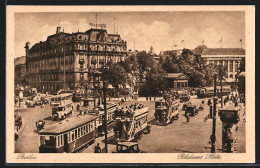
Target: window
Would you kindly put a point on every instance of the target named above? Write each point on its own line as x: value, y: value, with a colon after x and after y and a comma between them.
x: 236, y: 66
x: 72, y: 135
x: 48, y: 140
x: 87, y: 127
x: 82, y: 133
x: 225, y: 64
x: 81, y: 76
x: 76, y: 133
x: 231, y: 76
x: 231, y: 66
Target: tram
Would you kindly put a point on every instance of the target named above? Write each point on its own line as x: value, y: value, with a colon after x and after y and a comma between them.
x: 69, y: 135
x: 61, y: 105
x: 100, y: 113
x: 209, y: 91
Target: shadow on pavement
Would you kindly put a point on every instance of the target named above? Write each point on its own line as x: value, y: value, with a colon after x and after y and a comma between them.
x: 153, y: 122
x: 110, y: 140
x: 184, y: 151
x: 48, y: 118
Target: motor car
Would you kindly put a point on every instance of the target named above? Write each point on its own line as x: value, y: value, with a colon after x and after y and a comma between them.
x: 191, y: 110
x: 185, y: 105
x: 128, y: 147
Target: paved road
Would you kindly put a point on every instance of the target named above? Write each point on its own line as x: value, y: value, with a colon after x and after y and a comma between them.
x: 174, y: 138
x: 180, y: 136
x: 28, y: 141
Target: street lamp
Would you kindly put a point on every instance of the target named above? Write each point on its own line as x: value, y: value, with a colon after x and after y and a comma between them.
x: 213, y: 136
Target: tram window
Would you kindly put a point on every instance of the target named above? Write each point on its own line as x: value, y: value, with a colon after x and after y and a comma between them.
x: 82, y: 133
x: 87, y: 128
x: 58, y: 138
x: 72, y: 135
x: 48, y: 140
x: 76, y: 133
x: 68, y: 136
x: 61, y: 140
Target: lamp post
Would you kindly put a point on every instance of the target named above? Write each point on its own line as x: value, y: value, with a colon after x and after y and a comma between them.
x: 104, y: 89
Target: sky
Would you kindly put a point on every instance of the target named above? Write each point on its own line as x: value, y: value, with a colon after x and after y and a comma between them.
x: 141, y: 30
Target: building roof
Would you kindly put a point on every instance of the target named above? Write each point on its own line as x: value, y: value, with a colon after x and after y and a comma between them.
x: 174, y: 75
x: 67, y: 124
x: 223, y: 51
x: 92, y: 35
x: 20, y: 60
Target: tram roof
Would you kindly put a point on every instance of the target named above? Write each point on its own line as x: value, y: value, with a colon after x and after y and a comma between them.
x: 67, y: 124
x: 61, y: 95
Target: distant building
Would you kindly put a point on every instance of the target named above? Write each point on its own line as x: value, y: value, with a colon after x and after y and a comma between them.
x: 82, y: 54
x: 228, y: 57
x: 20, y: 69
x: 176, y: 80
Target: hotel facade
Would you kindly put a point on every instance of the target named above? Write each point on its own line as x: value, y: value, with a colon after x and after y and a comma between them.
x: 66, y: 61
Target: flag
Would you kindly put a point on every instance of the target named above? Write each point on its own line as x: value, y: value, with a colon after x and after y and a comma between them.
x: 182, y: 40
x: 240, y: 39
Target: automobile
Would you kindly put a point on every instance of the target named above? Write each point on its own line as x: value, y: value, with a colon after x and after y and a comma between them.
x: 128, y: 147
x: 38, y: 103
x: 30, y: 103
x: 40, y: 124
x: 185, y: 105
x: 44, y: 100
x: 191, y: 110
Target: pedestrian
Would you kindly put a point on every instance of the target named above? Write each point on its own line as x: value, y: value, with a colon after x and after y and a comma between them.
x: 97, y: 149
x: 146, y: 98
x: 187, y: 117
x: 236, y: 104
x: 150, y: 98
x: 209, y: 102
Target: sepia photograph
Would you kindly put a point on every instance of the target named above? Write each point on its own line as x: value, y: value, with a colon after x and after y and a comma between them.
x: 173, y: 84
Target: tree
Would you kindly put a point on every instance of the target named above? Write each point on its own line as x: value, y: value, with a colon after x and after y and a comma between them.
x: 114, y: 74
x: 242, y: 67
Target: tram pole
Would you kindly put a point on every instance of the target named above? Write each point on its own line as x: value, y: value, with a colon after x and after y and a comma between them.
x: 105, y: 119
x: 213, y: 136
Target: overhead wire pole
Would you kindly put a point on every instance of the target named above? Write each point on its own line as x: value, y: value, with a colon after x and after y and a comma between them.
x: 213, y: 136
x: 105, y: 110
x: 64, y: 73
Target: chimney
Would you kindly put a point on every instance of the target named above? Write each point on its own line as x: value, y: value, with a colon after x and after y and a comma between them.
x: 58, y: 30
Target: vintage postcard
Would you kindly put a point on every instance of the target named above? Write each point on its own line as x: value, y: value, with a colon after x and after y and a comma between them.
x: 130, y: 84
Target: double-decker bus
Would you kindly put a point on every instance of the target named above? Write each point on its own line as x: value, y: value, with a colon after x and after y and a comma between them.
x: 131, y: 122
x: 166, y: 111
x: 100, y: 113
x: 61, y: 105
x: 69, y: 135
x: 209, y: 91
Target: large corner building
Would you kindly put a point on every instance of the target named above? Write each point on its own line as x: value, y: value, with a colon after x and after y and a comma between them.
x: 65, y: 61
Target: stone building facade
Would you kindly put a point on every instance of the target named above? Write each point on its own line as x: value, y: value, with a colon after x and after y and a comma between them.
x: 77, y: 56
x: 19, y: 70
x: 228, y: 57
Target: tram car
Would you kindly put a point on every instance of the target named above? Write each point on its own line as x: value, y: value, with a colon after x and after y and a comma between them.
x: 131, y: 123
x: 61, y: 105
x: 166, y: 111
x: 209, y: 91
x: 100, y: 113
x: 70, y: 135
